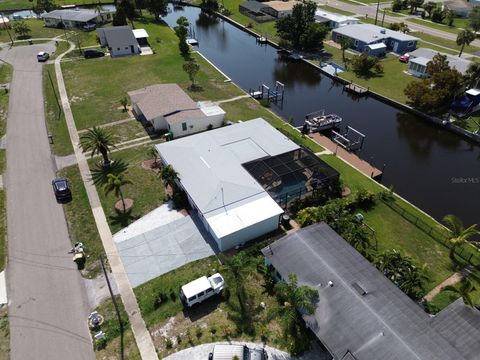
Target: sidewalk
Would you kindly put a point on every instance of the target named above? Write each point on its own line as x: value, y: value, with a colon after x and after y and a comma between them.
x: 142, y: 336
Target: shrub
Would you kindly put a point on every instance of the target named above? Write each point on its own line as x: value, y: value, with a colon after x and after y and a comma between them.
x: 100, y: 344
x: 213, y: 330
x: 264, y: 103
x: 198, y: 332
x: 226, y: 294
x: 173, y: 296
x: 366, y: 66
x: 168, y: 343
x: 179, y: 339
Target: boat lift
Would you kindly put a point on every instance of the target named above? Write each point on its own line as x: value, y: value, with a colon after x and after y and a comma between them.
x: 351, y: 140
x: 274, y: 95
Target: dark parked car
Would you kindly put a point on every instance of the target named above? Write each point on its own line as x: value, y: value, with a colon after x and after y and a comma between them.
x: 61, y: 189
x: 91, y: 53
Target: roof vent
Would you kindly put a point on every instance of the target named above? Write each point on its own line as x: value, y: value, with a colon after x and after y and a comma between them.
x: 330, y: 283
x: 383, y: 31
x: 361, y: 291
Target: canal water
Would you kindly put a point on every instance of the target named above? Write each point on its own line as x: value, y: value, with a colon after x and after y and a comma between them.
x: 432, y: 168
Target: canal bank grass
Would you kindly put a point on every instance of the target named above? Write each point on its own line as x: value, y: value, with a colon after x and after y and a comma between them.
x: 95, y: 86
x: 81, y: 224
x: 146, y: 190
x: 55, y: 119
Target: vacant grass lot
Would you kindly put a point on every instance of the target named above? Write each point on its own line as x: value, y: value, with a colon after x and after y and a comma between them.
x: 146, y: 190
x: 95, y: 86
x: 81, y: 224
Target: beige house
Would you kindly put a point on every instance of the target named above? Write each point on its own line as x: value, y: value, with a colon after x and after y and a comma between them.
x: 279, y: 9
x: 168, y: 108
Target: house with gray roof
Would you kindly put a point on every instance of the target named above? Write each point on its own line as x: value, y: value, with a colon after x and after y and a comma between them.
x: 119, y: 40
x: 362, y: 315
x: 167, y: 107
x: 84, y: 19
x: 375, y: 40
x: 418, y: 60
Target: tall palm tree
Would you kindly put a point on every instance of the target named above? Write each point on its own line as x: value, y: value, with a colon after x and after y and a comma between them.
x: 472, y: 75
x: 458, y: 234
x: 464, y: 37
x: 98, y: 141
x: 169, y: 176
x: 465, y: 291
x: 345, y: 43
x: 295, y: 299
x: 115, y: 183
x: 238, y: 267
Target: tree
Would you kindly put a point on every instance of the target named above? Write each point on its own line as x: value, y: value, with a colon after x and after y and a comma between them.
x: 464, y: 291
x: 152, y: 152
x: 401, y: 26
x: 429, y: 6
x: 397, y: 5
x: 312, y: 38
x: 115, y: 184
x: 434, y: 94
x: 182, y: 31
x: 124, y: 103
x: 98, y: 141
x: 472, y: 75
x: 169, y: 176
x: 363, y: 65
x: 458, y: 235
x: 44, y: 6
x: 464, y: 37
x: 292, y: 28
x: 191, y: 68
x: 128, y: 7
x: 210, y: 5
x: 474, y: 19
x: 157, y: 8
x: 449, y: 16
x: 293, y: 298
x: 22, y: 29
x: 414, y: 4
x: 345, y: 43
x: 437, y: 15
x: 119, y: 18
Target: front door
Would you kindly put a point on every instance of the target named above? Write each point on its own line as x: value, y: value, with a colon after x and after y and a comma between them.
x: 132, y: 49
x: 395, y: 47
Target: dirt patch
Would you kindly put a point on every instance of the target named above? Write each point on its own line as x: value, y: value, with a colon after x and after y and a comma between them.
x: 119, y: 205
x: 153, y: 165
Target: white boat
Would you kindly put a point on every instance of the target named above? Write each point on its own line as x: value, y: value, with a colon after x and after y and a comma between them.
x: 322, y: 122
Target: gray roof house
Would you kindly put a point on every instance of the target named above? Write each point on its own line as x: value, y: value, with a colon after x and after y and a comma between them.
x: 417, y: 63
x: 85, y: 19
x: 167, y: 107
x: 119, y: 40
x: 361, y: 315
x: 375, y: 40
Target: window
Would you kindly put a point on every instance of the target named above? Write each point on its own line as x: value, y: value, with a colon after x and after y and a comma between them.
x: 126, y: 47
x: 192, y: 298
x: 201, y: 293
x: 410, y: 44
x: 355, y: 43
x: 184, y: 126
x: 209, y: 290
x: 118, y: 49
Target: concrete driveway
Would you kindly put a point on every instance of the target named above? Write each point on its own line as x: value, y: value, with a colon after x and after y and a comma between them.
x: 47, y: 309
x: 162, y: 241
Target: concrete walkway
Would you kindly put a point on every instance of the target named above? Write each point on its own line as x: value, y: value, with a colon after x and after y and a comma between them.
x: 231, y: 99
x: 142, y: 336
x: 452, y: 280
x: 200, y: 352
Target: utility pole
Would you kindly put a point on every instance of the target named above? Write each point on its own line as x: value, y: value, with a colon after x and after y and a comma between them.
x: 6, y: 28
x: 376, y: 13
x: 115, y: 306
x: 383, y: 18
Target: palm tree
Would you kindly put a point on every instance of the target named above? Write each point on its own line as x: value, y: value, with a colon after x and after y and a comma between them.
x: 238, y: 267
x: 152, y: 152
x: 115, y: 183
x: 458, y: 234
x: 345, y: 43
x: 472, y: 75
x: 464, y: 37
x: 124, y: 103
x: 169, y: 176
x: 295, y: 299
x: 465, y: 291
x: 98, y: 141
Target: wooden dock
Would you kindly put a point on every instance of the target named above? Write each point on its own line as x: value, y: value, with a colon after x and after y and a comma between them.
x: 356, y: 89
x: 351, y: 158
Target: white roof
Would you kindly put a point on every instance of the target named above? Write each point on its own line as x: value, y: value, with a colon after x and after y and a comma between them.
x: 338, y: 18
x: 231, y: 219
x: 140, y: 33
x: 209, y: 164
x: 473, y: 92
x: 227, y: 352
x: 419, y: 60
x: 212, y: 110
x: 377, y: 46
x: 196, y: 286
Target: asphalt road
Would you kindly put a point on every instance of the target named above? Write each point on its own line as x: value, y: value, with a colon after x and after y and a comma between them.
x: 47, y: 301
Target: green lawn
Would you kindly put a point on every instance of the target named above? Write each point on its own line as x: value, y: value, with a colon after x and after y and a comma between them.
x: 95, y: 86
x: 26, y: 4
x: 56, y: 124
x: 146, y: 190
x: 468, y: 123
x: 433, y: 25
x: 81, y: 224
x: 443, y: 42
x: 4, y: 334
x: 335, y: 10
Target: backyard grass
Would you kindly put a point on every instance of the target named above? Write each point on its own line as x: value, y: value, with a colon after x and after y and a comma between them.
x: 146, y: 190
x: 469, y: 123
x: 4, y: 334
x: 81, y: 224
x: 55, y: 119
x: 111, y: 328
x: 126, y: 131
x: 95, y: 86
x: 37, y: 31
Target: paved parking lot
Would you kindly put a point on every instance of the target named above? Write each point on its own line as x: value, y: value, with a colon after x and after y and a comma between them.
x: 160, y: 242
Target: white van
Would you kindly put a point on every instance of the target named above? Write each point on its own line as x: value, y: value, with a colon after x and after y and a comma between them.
x: 201, y: 289
x: 242, y: 352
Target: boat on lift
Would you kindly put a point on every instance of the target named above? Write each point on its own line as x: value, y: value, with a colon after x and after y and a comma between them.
x: 319, y: 121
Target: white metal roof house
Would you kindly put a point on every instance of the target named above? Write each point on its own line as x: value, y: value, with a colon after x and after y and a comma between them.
x: 168, y: 107
x: 361, y: 314
x: 418, y: 60
x: 363, y: 36
x: 119, y: 40
x: 232, y: 205
x: 334, y: 20
x: 85, y: 19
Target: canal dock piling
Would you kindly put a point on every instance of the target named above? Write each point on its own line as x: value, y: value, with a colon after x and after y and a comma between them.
x: 274, y: 95
x: 356, y: 89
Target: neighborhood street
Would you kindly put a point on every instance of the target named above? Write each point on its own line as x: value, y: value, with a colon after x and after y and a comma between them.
x: 47, y: 302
